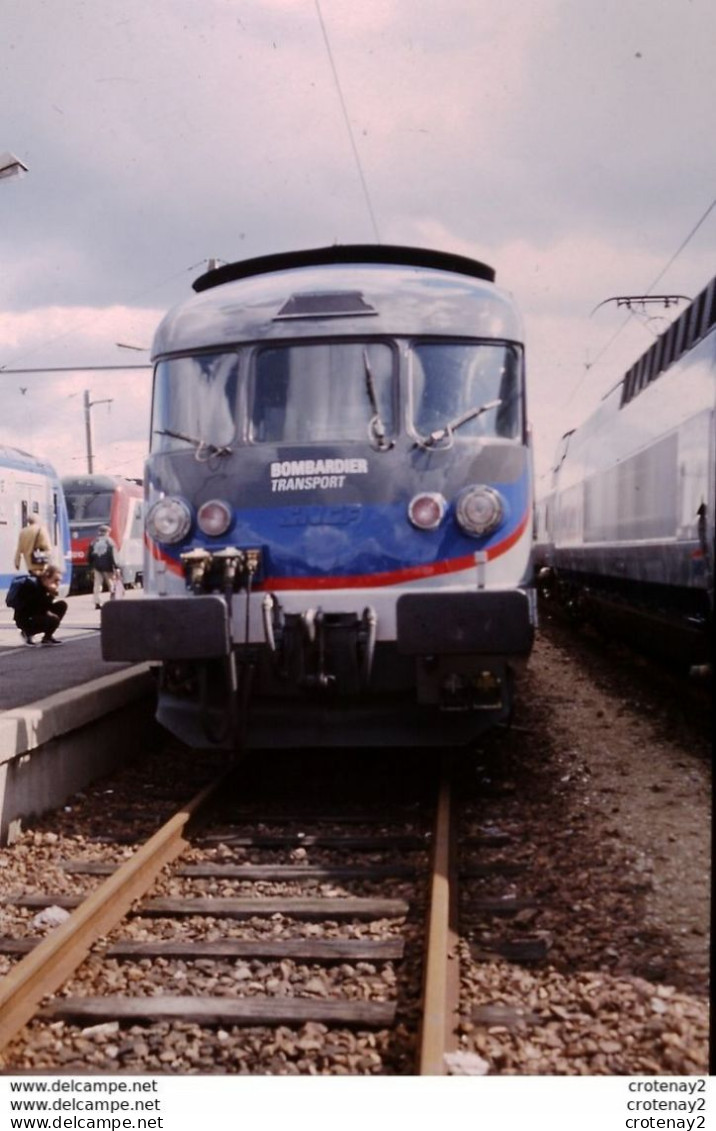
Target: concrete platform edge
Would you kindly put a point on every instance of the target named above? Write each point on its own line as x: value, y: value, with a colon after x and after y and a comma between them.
x: 27, y: 728
x: 54, y: 747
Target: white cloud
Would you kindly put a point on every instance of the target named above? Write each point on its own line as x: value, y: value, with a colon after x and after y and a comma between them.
x: 569, y: 145
x: 44, y: 412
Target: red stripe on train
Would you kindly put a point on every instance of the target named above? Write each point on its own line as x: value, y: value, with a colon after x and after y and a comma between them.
x: 370, y: 580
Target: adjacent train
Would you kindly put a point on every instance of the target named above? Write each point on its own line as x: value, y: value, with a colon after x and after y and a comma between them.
x: 111, y: 500
x: 339, y: 504
x: 625, y: 535
x: 30, y: 485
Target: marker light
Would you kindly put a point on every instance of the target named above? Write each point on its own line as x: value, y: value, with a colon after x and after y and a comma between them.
x: 426, y: 511
x: 479, y: 510
x: 214, y: 518
x: 169, y: 520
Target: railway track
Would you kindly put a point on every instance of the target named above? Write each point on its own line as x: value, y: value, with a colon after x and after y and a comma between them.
x: 288, y: 929
x: 50, y: 962
x: 365, y: 933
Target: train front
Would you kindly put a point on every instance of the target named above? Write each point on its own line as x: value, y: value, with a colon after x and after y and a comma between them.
x: 339, y: 501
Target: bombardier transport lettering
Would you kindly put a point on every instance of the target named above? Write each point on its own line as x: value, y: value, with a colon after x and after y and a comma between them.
x: 308, y: 482
x: 293, y: 467
x: 314, y: 474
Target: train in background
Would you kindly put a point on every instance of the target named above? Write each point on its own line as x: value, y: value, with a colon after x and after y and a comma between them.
x: 339, y: 504
x: 625, y: 534
x: 111, y: 500
x: 30, y: 485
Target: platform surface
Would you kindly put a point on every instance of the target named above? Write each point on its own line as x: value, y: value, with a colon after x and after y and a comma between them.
x: 31, y: 673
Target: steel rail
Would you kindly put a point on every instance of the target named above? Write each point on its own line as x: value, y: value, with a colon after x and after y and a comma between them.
x: 57, y: 957
x: 441, y: 988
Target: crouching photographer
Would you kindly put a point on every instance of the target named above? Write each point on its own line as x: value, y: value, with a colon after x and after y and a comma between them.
x: 36, y: 608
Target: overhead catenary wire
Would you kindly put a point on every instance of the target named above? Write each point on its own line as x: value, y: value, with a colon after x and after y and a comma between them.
x: 75, y: 368
x: 658, y: 279
x: 347, y: 121
x: 679, y: 249
x: 92, y: 322
x: 684, y: 243
x: 147, y: 290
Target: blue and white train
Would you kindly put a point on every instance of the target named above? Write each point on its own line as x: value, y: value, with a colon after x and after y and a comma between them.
x: 625, y: 535
x: 29, y: 485
x: 339, y: 504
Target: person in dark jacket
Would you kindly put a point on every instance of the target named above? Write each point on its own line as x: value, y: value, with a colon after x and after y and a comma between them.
x: 37, y: 609
x: 102, y: 559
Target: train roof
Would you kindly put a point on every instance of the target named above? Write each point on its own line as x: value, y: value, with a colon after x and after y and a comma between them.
x: 685, y: 353
x: 361, y: 290
x: 98, y: 481
x: 16, y: 457
x: 683, y: 334
x: 345, y: 253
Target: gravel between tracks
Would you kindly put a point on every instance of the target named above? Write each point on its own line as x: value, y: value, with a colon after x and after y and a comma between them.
x: 604, y: 781
x: 608, y: 768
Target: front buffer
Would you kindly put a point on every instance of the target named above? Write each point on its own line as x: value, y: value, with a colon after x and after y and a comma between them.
x: 322, y: 677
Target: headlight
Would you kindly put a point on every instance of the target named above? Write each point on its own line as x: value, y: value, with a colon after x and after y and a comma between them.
x: 214, y: 518
x: 426, y: 511
x: 169, y: 520
x: 479, y: 510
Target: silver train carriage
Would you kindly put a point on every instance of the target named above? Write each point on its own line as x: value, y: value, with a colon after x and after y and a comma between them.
x: 339, y: 504
x: 625, y: 535
x: 29, y: 485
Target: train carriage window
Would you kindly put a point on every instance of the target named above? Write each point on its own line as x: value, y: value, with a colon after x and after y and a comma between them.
x: 638, y: 373
x: 712, y: 311
x: 667, y: 347
x: 194, y: 401
x: 137, y: 527
x: 697, y: 316
x: 55, y: 518
x: 318, y: 392
x: 99, y: 505
x: 681, y: 325
x: 659, y: 357
x: 448, y: 379
x: 88, y: 504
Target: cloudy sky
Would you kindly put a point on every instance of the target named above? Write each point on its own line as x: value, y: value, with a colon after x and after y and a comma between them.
x: 569, y: 143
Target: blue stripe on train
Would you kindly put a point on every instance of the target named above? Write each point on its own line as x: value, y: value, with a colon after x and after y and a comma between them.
x: 348, y: 539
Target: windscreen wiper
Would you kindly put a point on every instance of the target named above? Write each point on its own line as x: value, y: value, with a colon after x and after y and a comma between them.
x: 201, y: 446
x: 376, y: 428
x: 446, y: 433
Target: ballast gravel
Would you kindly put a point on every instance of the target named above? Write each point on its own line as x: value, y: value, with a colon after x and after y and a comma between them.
x: 604, y: 786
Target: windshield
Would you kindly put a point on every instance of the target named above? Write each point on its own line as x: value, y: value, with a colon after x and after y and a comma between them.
x: 195, y: 401
x: 311, y: 393
x: 448, y: 379
x: 88, y: 506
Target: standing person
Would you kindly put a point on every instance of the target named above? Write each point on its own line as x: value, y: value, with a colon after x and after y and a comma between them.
x: 102, y: 558
x: 36, y: 607
x: 33, y: 544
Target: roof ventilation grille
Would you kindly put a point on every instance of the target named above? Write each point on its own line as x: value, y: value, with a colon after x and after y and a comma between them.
x: 325, y: 304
